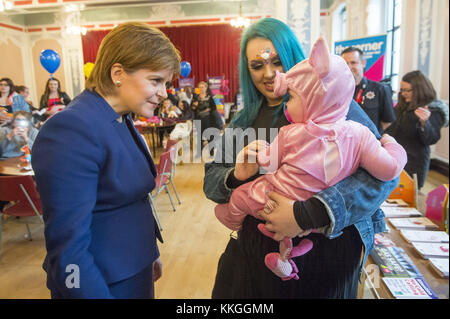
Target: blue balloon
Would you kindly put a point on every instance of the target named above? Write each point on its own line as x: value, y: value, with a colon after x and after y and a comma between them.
x: 185, y: 68
x: 50, y: 60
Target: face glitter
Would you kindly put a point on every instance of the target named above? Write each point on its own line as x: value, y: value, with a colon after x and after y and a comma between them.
x: 265, y: 55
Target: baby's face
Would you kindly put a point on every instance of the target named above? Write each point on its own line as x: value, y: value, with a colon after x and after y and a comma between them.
x: 295, y: 106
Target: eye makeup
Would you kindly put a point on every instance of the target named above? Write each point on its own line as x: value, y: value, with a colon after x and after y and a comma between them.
x: 259, y: 61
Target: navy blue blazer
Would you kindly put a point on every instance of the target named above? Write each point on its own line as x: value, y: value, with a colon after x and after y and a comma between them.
x: 93, y: 175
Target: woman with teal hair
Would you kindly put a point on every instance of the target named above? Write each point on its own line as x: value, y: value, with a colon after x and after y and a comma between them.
x: 347, y: 214
x: 289, y: 53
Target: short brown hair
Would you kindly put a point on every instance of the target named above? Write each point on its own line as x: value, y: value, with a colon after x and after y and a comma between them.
x: 25, y: 114
x: 135, y: 46
x: 354, y: 49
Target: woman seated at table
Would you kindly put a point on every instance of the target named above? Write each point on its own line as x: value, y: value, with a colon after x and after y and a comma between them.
x: 186, y: 111
x: 168, y: 110
x: 169, y: 114
x: 10, y: 101
x: 19, y: 133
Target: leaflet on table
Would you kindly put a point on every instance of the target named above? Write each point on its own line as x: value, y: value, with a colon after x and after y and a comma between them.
x: 409, y: 288
x: 394, y: 203
x: 397, y: 212
x: 413, y: 223
x: 388, y: 264
x: 424, y: 236
x: 402, y: 257
x: 381, y: 239
x: 440, y: 265
x: 394, y: 262
x: 431, y: 250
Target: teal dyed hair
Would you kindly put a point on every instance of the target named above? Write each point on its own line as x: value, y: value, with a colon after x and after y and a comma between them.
x: 289, y: 50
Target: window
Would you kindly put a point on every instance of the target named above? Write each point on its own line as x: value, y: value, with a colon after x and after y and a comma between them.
x: 343, y: 18
x: 376, y: 17
x: 339, y: 30
x: 393, y: 31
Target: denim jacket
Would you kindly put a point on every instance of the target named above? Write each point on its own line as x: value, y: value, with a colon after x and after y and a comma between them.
x: 353, y: 201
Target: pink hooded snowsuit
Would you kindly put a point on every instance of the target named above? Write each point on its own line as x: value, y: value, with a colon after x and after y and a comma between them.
x: 321, y: 147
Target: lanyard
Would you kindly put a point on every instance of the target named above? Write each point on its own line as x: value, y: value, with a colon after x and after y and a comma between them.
x: 359, y: 96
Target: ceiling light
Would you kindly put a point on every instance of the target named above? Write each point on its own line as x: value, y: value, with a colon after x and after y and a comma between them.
x: 5, y: 5
x: 240, y: 22
x: 76, y: 30
x: 73, y: 7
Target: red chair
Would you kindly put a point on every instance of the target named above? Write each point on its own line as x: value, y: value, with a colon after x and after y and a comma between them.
x: 164, y: 169
x: 24, y: 199
x: 170, y: 143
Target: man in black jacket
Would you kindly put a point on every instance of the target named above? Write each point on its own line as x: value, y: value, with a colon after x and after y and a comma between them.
x: 374, y: 98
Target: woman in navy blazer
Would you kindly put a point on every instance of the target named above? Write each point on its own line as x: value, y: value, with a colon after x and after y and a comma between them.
x: 94, y: 172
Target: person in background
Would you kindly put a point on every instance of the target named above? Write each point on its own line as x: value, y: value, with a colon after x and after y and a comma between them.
x: 185, y: 108
x: 171, y: 93
x: 53, y: 99
x: 374, y: 98
x: 19, y: 133
x: 106, y: 234
x: 187, y: 94
x: 168, y: 110
x: 10, y: 101
x: 175, y: 112
x: 25, y: 92
x: 420, y: 117
x: 167, y: 114
x: 204, y: 107
x: 347, y: 215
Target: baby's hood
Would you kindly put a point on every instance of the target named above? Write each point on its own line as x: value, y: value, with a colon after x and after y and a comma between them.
x: 324, y: 83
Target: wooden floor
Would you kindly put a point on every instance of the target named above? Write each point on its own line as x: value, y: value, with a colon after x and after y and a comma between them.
x: 193, y: 242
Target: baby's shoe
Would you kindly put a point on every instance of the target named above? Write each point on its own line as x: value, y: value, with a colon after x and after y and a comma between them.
x: 283, y: 269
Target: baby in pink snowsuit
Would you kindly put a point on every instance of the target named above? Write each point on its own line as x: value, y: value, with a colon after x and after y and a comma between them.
x: 317, y: 151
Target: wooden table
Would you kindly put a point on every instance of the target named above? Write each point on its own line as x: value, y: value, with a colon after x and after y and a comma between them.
x: 154, y: 131
x: 10, y: 166
x: 437, y: 283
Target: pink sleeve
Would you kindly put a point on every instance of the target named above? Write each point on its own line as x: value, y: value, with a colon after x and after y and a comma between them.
x: 227, y: 218
x: 384, y: 162
x: 240, y: 205
x: 270, y: 158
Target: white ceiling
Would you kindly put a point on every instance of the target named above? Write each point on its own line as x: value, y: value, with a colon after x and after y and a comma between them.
x: 100, y: 4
